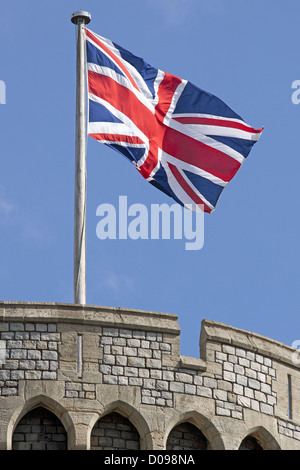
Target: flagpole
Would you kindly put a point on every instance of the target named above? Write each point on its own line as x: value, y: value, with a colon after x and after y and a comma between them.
x: 80, y: 18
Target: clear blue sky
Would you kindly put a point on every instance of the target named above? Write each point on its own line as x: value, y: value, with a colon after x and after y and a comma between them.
x: 247, y: 273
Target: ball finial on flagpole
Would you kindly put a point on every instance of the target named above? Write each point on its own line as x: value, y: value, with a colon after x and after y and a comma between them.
x: 83, y: 15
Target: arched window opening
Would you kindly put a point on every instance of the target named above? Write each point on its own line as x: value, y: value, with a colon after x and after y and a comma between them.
x: 114, y: 432
x: 250, y: 443
x: 186, y: 436
x: 39, y: 429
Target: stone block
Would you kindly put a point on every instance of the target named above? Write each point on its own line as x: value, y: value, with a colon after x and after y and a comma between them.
x: 142, y: 352
x: 117, y: 370
x: 17, y: 326
x: 148, y: 400
x: 110, y: 332
x: 110, y: 379
x: 144, y: 373
x: 190, y: 389
x: 168, y: 375
x: 238, y: 389
x: 181, y: 377
x: 162, y: 385
x: 135, y: 381
x: 131, y: 371
x: 267, y: 409
x: 130, y: 351
x: 139, y: 334
x: 222, y: 411
x: 254, y: 384
x: 109, y: 359
x: 153, y: 363
x: 105, y: 369
x: 204, y: 392
x: 122, y: 380
x: 49, y: 355
x: 228, y: 366
x: 117, y: 341
x: 243, y: 401
x: 134, y: 343
x: 121, y: 360
x: 220, y: 395
x: 149, y: 383
x: 177, y: 387
x: 230, y: 376
x: 136, y: 362
x: 125, y: 333
x: 41, y: 365
x: 26, y: 364
x: 228, y: 349
x: 18, y: 354
x: 155, y: 373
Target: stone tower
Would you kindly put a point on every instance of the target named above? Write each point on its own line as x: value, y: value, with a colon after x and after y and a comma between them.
x: 75, y: 377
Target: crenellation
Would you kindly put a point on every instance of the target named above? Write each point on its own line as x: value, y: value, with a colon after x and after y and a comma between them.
x: 130, y: 362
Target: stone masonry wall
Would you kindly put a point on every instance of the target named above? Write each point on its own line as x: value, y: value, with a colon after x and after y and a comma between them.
x: 129, y: 362
x: 135, y: 358
x: 30, y: 354
x: 248, y: 377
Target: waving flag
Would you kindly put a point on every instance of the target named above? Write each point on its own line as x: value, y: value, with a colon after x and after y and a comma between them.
x: 181, y: 139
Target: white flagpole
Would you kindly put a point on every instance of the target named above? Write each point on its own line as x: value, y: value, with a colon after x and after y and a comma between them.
x: 80, y: 18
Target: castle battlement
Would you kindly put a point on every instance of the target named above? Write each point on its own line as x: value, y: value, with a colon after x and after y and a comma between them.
x: 90, y: 377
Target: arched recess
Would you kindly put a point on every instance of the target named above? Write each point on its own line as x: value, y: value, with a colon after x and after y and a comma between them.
x: 40, y: 401
x: 209, y: 433
x: 120, y: 416
x: 39, y: 429
x: 250, y: 443
x: 114, y: 432
x: 258, y: 438
x: 186, y: 436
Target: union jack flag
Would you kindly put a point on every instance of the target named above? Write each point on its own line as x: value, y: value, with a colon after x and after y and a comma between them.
x: 181, y: 139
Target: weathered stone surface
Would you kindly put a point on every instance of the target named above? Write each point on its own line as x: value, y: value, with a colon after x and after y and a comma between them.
x: 129, y: 362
